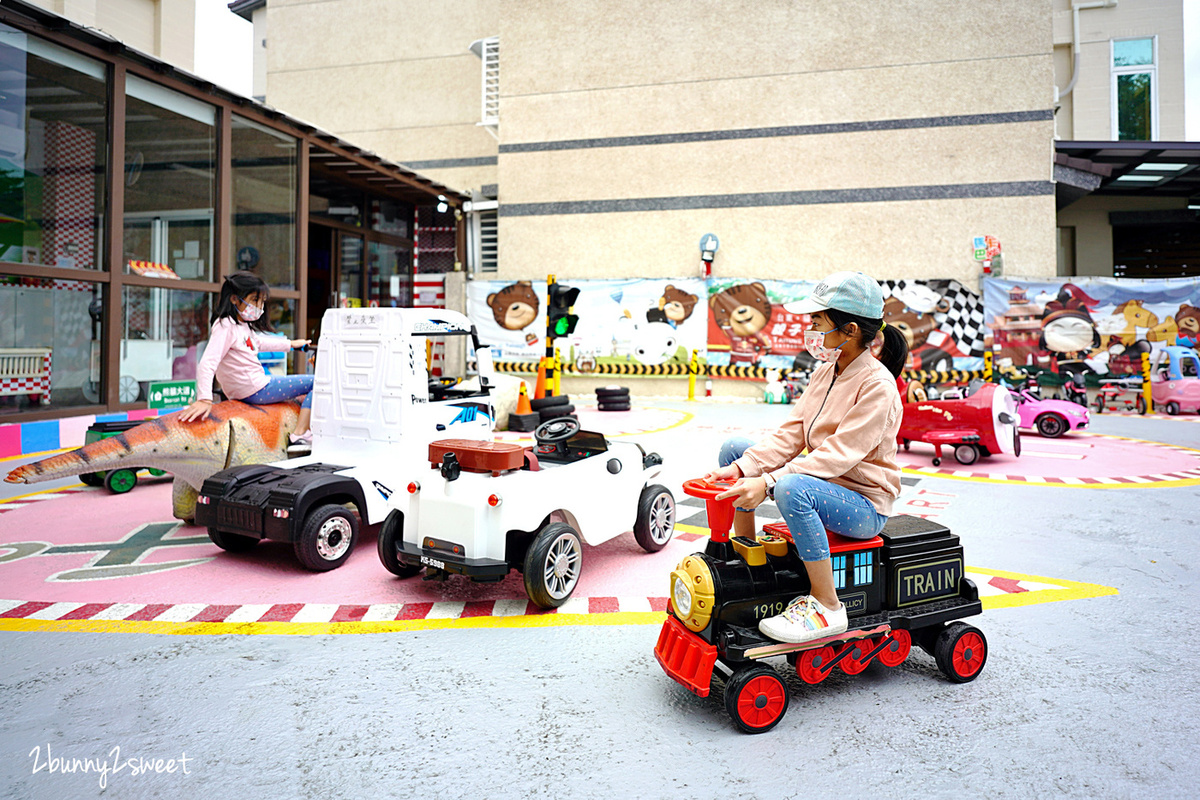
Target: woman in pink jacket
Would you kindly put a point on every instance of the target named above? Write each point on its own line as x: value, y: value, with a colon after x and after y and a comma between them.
x: 232, y: 356
x: 847, y: 421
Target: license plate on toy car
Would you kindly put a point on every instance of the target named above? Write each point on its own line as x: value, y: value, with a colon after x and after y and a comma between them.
x: 433, y: 562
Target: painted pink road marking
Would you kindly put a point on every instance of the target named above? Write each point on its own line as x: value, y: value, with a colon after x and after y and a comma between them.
x: 1007, y: 584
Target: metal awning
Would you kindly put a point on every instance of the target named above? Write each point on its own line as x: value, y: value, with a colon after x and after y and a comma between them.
x: 1161, y: 169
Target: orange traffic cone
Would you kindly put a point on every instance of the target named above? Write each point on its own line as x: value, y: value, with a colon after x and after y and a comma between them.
x: 523, y: 406
x: 539, y: 391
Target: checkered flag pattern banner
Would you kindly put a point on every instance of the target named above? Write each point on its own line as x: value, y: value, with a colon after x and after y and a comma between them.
x: 962, y: 322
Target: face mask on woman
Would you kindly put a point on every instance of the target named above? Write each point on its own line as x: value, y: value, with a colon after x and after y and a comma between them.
x: 249, y: 312
x: 814, y: 343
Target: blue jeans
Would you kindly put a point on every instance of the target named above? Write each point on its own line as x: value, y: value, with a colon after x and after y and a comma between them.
x: 810, y: 506
x: 283, y: 387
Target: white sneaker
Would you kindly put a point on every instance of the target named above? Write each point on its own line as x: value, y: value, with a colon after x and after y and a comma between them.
x: 803, y: 620
x: 300, y: 443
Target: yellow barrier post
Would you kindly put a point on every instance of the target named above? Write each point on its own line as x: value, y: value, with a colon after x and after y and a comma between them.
x: 693, y: 369
x: 1147, y: 395
x: 987, y: 365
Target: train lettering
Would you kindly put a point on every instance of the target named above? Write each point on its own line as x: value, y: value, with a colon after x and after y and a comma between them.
x: 917, y: 583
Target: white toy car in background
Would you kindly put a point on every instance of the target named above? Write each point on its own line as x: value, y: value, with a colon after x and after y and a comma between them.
x: 481, y: 509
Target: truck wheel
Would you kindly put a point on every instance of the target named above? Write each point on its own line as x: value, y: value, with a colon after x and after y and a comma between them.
x: 390, y: 535
x: 231, y: 542
x: 1051, y: 425
x: 655, y: 523
x: 757, y: 698
x: 327, y: 537
x: 960, y: 652
x: 120, y: 481
x: 552, y: 565
x: 91, y: 479
x: 966, y: 454
x: 1173, y: 408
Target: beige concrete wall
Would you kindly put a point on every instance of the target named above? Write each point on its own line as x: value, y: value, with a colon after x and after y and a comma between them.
x: 394, y: 76
x: 258, y: 84
x: 588, y: 71
x: 166, y: 29
x: 1090, y: 111
x: 1093, y: 234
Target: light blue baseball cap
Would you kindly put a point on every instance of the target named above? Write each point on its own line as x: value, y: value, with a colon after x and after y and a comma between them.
x: 853, y: 292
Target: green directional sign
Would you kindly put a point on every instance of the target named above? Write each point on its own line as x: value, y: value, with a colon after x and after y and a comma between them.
x: 171, y: 394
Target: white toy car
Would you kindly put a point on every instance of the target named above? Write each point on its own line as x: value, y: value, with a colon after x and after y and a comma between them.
x: 482, y: 508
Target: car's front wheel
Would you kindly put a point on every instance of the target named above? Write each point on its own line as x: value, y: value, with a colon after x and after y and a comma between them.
x: 553, y: 564
x: 391, y: 533
x: 655, y: 523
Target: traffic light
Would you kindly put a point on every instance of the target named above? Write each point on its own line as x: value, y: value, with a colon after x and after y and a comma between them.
x: 560, y: 320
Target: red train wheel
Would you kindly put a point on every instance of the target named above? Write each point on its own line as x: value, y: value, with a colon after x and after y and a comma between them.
x: 960, y: 652
x: 809, y: 663
x: 855, y: 663
x: 756, y: 698
x: 897, y: 649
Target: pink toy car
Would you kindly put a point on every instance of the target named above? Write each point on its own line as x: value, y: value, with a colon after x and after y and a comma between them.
x: 1052, y: 418
x: 1175, y: 380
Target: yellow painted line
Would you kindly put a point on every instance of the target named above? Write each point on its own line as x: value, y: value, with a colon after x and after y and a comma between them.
x: 686, y: 417
x: 1044, y: 484
x: 1071, y: 590
x: 327, y: 628
x: 39, y: 456
x: 43, y: 491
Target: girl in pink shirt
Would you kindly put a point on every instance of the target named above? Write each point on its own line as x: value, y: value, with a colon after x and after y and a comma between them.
x: 232, y: 356
x: 847, y: 421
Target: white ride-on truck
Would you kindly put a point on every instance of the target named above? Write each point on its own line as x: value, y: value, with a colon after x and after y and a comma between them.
x: 375, y: 411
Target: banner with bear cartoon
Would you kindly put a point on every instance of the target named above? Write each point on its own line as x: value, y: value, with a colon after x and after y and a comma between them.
x: 1095, y: 326
x: 753, y: 323
x: 647, y: 321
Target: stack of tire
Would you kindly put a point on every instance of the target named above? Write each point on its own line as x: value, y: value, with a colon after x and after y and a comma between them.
x: 552, y: 407
x: 613, y: 398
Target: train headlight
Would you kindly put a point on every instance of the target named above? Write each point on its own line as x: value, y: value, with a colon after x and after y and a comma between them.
x: 693, y: 595
x: 682, y: 596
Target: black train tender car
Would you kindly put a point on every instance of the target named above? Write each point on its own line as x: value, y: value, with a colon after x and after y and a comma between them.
x: 906, y: 586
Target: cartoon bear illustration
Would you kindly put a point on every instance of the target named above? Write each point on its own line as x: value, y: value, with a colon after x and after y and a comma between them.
x: 675, y: 306
x: 1187, y: 321
x: 515, y: 306
x: 742, y: 311
x: 928, y: 346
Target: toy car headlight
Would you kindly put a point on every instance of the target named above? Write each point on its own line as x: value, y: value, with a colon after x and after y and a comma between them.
x: 692, y: 594
x: 682, y: 596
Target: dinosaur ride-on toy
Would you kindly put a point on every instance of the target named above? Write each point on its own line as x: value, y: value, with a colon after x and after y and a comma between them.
x: 906, y: 586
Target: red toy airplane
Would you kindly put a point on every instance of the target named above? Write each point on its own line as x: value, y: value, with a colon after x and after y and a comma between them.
x: 983, y: 423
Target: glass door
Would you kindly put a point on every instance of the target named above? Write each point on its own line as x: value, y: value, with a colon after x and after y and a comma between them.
x: 351, y: 272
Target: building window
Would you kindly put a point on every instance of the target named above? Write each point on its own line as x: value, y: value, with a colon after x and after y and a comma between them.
x: 1135, y: 89
x: 389, y: 273
x: 862, y: 569
x: 170, y: 181
x: 53, y: 141
x: 264, y: 202
x: 483, y: 236
x: 839, y: 572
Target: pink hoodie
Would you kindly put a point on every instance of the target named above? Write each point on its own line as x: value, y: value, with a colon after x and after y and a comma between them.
x: 232, y: 355
x: 848, y: 423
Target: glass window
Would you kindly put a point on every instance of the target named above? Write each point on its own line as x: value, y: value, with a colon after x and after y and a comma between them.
x: 332, y: 200
x: 862, y: 569
x: 1133, y: 52
x: 50, y: 335
x: 53, y: 141
x: 170, y: 181
x: 264, y: 202
x: 390, y: 276
x: 162, y: 337
x: 391, y: 216
x: 1134, y: 100
x: 352, y: 279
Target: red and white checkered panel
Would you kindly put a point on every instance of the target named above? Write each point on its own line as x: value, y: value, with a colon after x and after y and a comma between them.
x: 69, y: 205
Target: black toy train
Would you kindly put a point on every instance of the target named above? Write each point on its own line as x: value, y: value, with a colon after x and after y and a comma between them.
x: 906, y: 586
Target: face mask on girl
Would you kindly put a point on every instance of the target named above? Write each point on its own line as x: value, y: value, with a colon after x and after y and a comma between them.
x: 249, y: 312
x: 814, y: 343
